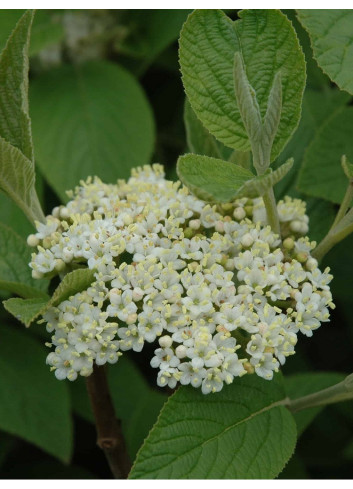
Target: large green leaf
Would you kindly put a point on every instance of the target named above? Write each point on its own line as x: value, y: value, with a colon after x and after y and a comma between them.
x: 321, y: 174
x: 136, y: 404
x: 240, y: 433
x: 92, y: 119
x: 14, y: 118
x: 33, y: 404
x: 331, y: 35
x: 299, y: 385
x: 17, y: 177
x: 317, y: 107
x: 208, y: 42
x: 15, y: 273
x: 216, y: 180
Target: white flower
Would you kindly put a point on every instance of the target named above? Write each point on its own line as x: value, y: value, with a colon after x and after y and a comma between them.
x: 232, y: 367
x: 130, y: 338
x: 265, y: 366
x: 164, y: 359
x: 191, y: 375
x: 213, y: 381
x: 150, y: 324
x: 198, y: 300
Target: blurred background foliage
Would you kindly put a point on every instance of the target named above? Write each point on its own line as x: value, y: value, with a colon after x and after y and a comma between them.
x: 105, y: 96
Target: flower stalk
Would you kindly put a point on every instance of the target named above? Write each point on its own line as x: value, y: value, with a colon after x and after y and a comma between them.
x: 340, y: 229
x: 109, y: 434
x: 343, y: 391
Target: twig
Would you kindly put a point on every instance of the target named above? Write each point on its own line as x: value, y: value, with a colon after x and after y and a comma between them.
x: 109, y: 434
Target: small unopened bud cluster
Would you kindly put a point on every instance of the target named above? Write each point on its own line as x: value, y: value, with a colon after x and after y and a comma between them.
x: 219, y: 293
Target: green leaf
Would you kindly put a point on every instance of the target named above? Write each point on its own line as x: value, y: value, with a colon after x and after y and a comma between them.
x: 33, y: 404
x: 15, y: 273
x: 321, y: 174
x: 318, y: 106
x: 199, y: 139
x: 12, y: 216
x: 274, y: 108
x: 17, y: 180
x: 212, y: 179
x: 241, y: 432
x: 330, y: 32
x: 208, y: 43
x: 316, y: 79
x: 246, y: 99
x: 216, y: 180
x: 17, y: 177
x: 261, y: 133
x: 71, y: 284
x: 137, y: 409
x: 102, y: 126
x: 299, y: 385
x: 15, y: 124
x: 347, y: 167
x: 25, y: 310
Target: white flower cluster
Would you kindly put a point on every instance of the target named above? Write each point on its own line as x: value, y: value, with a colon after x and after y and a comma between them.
x: 217, y: 290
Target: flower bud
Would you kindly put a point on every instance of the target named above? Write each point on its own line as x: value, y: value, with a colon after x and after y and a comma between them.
x: 59, y: 265
x: 32, y: 240
x: 239, y: 213
x: 188, y: 233
x: 37, y: 275
x: 219, y: 227
x: 302, y: 257
x: 247, y: 240
x: 131, y: 319
x: 180, y: 351
x: 296, y: 226
x: 311, y: 264
x: 165, y: 341
x: 56, y: 212
x: 137, y: 294
x: 288, y: 244
x: 64, y: 213
x: 195, y: 224
x: 47, y: 242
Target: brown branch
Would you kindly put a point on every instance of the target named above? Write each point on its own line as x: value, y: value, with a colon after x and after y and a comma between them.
x: 109, y: 434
